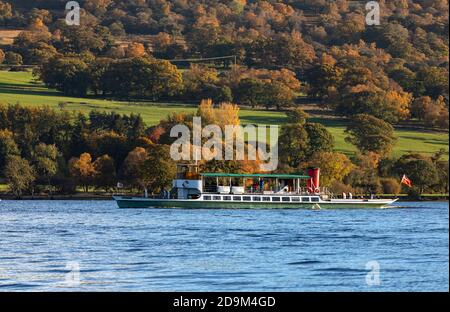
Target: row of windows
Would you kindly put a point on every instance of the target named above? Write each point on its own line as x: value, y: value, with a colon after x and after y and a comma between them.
x: 263, y: 198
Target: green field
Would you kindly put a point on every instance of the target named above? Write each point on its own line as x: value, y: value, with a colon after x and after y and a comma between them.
x: 20, y: 87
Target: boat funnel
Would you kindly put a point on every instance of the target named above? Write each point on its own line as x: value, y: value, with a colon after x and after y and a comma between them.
x: 313, y: 184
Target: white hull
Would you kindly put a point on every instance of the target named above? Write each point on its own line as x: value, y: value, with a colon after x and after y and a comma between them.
x: 140, y: 202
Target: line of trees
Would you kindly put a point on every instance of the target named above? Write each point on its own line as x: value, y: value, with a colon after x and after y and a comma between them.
x: 148, y: 78
x: 44, y: 150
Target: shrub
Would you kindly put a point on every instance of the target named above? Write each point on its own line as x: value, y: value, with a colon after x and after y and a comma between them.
x: 391, y: 186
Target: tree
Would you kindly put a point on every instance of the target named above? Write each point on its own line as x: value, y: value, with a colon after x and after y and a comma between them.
x: 320, y: 139
x: 12, y: 58
x: 334, y: 167
x: 371, y: 134
x: 391, y: 186
x: 390, y: 106
x: 322, y: 79
x: 105, y: 172
x: 2, y: 56
x: 142, y: 78
x: 297, y: 116
x: 8, y: 147
x: 45, y: 162
x: 83, y: 170
x: 19, y: 174
x: 364, y: 176
x: 6, y: 12
x: 419, y: 169
x: 432, y: 81
x: 250, y: 92
x: 132, y: 167
x: 293, y: 144
x: 67, y: 74
x: 158, y: 169
x: 433, y: 113
x: 278, y: 95
x: 135, y: 49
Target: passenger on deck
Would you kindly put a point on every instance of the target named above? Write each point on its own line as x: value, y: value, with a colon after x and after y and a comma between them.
x: 344, y: 196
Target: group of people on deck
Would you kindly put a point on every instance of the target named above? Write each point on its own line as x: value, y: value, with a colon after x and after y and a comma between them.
x: 350, y: 196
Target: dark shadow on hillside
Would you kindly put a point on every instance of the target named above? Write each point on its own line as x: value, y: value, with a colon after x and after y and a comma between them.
x: 335, y: 122
x: 260, y: 120
x: 23, y: 90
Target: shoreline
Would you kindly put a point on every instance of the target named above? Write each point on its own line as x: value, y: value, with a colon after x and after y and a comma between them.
x: 90, y: 197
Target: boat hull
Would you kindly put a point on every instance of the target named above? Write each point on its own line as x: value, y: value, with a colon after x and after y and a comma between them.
x: 138, y: 202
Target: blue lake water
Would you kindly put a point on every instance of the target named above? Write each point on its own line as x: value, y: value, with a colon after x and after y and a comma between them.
x: 43, y: 243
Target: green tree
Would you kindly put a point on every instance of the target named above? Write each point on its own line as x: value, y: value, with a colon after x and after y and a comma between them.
x: 293, y: 144
x: 67, y: 74
x: 158, y: 169
x: 8, y: 147
x: 19, y: 174
x: 250, y: 92
x: 12, y: 58
x: 370, y: 134
x: 45, y: 162
x: 297, y: 116
x: 320, y: 139
x: 419, y: 169
x: 432, y: 81
x: 142, y: 78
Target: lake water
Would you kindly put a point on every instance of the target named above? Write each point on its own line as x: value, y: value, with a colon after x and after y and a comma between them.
x: 44, y: 243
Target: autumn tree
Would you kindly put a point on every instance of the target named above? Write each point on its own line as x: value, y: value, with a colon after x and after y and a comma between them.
x: 334, y: 167
x: 132, y: 167
x: 105, y: 172
x: 83, y: 170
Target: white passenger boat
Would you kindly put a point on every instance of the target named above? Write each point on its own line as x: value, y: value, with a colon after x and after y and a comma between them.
x: 247, y: 191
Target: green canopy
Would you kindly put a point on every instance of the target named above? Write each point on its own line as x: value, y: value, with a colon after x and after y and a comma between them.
x: 259, y: 175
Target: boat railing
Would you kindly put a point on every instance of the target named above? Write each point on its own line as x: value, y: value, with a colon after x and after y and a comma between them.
x: 323, y: 191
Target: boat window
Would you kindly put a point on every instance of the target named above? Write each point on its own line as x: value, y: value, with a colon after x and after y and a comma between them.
x: 207, y: 197
x: 314, y: 199
x: 266, y: 198
x: 217, y: 198
x: 295, y: 199
x: 256, y: 198
x: 305, y: 199
x: 247, y: 198
x: 236, y: 197
x: 276, y: 199
x: 227, y: 198
x: 286, y: 199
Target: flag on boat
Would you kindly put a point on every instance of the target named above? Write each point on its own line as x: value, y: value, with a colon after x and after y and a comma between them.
x: 119, y: 185
x: 406, y: 181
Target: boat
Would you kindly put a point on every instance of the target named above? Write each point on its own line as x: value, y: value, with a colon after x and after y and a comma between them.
x: 247, y: 191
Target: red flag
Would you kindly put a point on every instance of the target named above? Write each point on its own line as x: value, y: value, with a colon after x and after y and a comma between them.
x: 406, y: 181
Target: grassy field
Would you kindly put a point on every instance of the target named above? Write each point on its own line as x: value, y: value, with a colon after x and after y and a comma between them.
x: 20, y: 87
